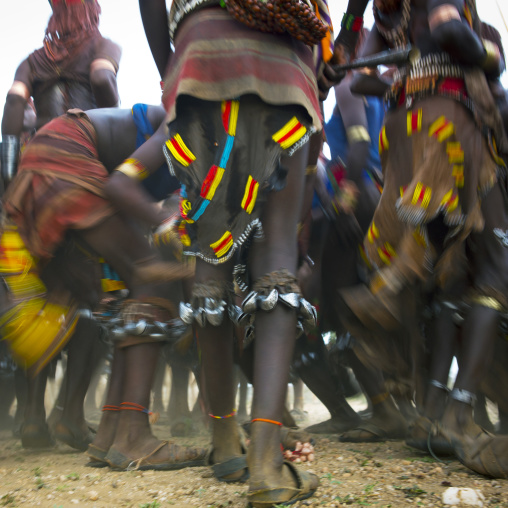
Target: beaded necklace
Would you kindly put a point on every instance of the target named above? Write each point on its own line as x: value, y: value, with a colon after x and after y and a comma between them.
x: 396, y: 36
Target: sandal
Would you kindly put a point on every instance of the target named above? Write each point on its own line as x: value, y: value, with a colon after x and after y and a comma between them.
x: 486, y: 454
x: 73, y: 436
x: 307, y: 483
x: 228, y: 467
x: 97, y: 456
x: 418, y: 435
x: 376, y: 432
x: 333, y: 426
x: 181, y: 456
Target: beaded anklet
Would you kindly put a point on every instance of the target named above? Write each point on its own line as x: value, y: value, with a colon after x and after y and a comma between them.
x: 233, y: 413
x: 110, y: 407
x: 132, y: 406
x: 266, y: 421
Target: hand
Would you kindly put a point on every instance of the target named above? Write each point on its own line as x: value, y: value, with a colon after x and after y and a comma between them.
x: 166, y: 233
x: 328, y: 78
x: 347, y: 198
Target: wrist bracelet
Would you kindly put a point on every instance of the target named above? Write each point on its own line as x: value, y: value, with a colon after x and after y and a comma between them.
x: 351, y: 22
x: 492, y: 56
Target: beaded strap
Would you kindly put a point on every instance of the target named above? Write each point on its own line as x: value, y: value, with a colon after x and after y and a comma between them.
x: 233, y: 413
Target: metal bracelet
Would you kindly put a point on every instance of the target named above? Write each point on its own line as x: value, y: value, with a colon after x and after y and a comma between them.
x: 212, y: 311
x: 464, y: 396
x: 168, y: 331
x: 307, y: 315
x: 441, y: 386
x: 9, y: 157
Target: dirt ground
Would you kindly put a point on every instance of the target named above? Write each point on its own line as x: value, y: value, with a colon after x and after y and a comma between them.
x: 385, y: 475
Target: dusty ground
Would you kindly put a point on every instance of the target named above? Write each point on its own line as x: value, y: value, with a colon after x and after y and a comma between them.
x: 385, y: 474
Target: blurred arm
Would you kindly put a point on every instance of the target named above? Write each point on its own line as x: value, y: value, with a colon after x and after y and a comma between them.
x: 155, y: 22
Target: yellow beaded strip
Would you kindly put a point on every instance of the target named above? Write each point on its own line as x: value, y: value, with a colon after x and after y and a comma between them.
x: 356, y: 134
x: 133, y: 169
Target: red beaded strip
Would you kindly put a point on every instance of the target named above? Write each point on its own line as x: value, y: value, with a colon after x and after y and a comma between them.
x: 266, y: 420
x: 132, y: 406
x: 352, y: 22
x: 233, y: 413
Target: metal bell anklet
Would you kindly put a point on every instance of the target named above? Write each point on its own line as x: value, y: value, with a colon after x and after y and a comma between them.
x: 464, y: 396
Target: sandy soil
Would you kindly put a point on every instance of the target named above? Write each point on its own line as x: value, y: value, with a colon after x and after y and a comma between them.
x: 384, y: 474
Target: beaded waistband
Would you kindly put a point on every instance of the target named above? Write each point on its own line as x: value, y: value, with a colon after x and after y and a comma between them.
x: 432, y: 74
x: 181, y: 8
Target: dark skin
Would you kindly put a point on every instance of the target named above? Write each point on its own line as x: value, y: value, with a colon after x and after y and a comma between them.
x: 122, y: 241
x: 345, y: 44
x: 104, y: 87
x: 116, y: 134
x: 275, y: 331
x: 480, y: 328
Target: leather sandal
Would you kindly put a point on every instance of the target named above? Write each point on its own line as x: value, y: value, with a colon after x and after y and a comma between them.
x: 228, y: 467
x: 307, y: 483
x: 97, y: 456
x: 181, y: 456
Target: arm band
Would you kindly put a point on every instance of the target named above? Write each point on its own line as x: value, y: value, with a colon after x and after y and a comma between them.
x: 443, y: 14
x: 19, y: 88
x: 356, y: 134
x: 492, y: 56
x: 311, y: 169
x: 133, y: 169
x: 102, y: 63
x: 351, y: 22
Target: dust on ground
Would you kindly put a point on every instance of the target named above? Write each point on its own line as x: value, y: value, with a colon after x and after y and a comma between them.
x: 380, y: 474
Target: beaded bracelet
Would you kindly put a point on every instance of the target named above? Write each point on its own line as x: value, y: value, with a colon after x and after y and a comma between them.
x: 351, y: 22
x: 133, y: 169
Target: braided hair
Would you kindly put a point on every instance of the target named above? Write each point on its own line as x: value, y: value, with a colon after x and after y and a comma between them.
x: 72, y: 22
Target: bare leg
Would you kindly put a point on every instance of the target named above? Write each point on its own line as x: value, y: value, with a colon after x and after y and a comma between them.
x: 275, y: 330
x: 489, y: 265
x: 160, y: 372
x: 217, y: 352
x: 122, y: 245
x: 443, y: 342
x: 243, y: 385
x: 72, y: 428
x: 34, y: 431
x: 298, y: 395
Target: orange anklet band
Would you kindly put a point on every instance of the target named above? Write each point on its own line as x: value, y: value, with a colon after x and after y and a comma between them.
x: 266, y: 421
